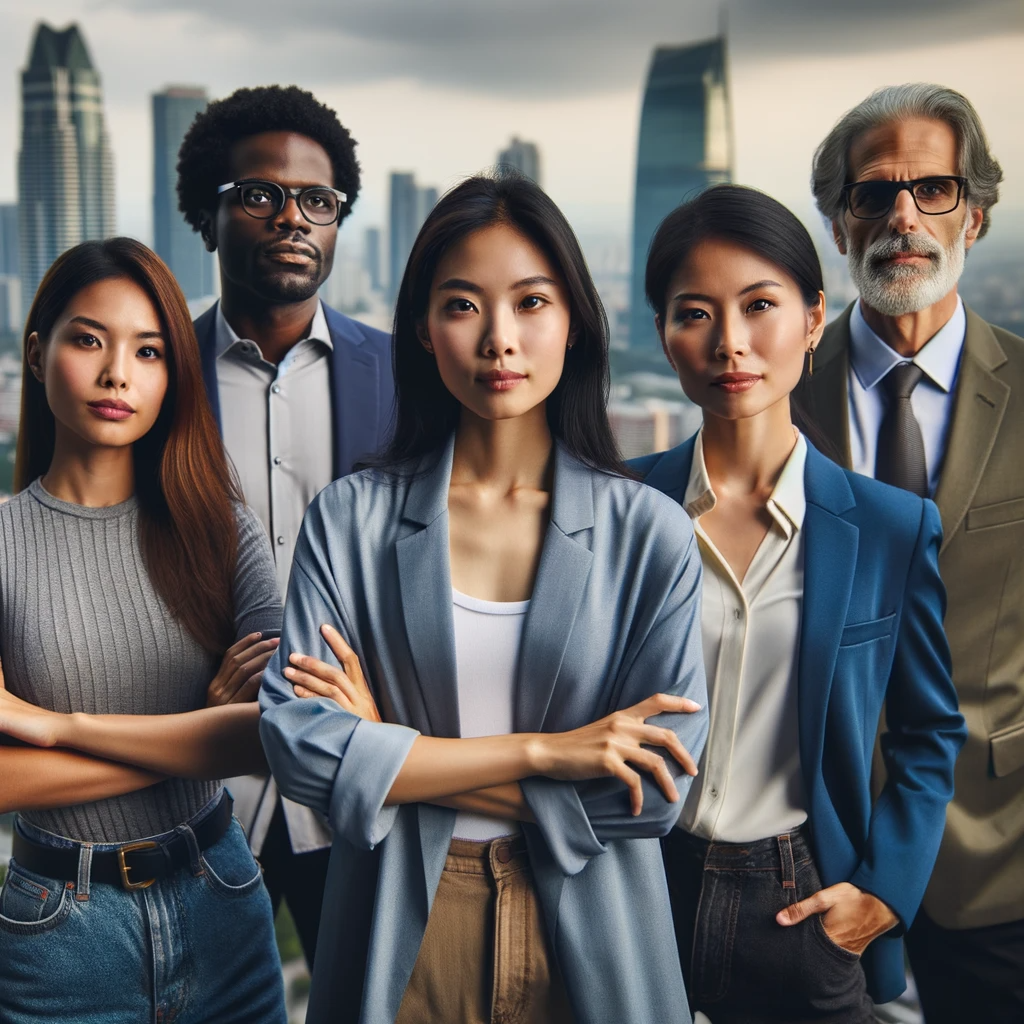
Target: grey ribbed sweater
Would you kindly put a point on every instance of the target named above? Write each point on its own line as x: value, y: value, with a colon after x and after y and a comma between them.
x: 81, y: 629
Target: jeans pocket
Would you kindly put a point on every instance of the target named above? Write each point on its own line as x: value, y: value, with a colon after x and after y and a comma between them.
x: 818, y: 927
x: 229, y: 867
x: 31, y: 904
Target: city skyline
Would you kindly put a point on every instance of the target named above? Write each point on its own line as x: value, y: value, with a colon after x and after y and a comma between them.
x: 397, y: 84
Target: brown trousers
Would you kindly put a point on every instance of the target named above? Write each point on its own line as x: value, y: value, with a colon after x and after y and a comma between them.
x: 485, y: 957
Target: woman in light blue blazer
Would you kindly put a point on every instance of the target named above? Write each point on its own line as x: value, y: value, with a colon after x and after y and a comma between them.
x: 822, y: 606
x: 515, y: 720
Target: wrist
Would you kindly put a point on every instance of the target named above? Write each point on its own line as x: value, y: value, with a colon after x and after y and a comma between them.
x: 535, y: 755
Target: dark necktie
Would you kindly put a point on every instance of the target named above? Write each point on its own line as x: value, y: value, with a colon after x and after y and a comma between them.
x: 900, y: 460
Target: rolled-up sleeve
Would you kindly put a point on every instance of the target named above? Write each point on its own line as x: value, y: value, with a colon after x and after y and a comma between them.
x: 578, y: 818
x: 321, y: 755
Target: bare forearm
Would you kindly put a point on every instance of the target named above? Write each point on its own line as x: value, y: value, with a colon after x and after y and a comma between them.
x: 437, y: 769
x: 211, y: 743
x: 505, y: 801
x: 35, y: 779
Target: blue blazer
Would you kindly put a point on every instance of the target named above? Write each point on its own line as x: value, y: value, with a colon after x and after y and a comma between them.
x: 362, y: 385
x: 871, y: 636
x: 613, y: 619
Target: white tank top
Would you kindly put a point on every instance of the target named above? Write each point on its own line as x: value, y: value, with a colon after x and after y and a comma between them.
x: 487, y: 636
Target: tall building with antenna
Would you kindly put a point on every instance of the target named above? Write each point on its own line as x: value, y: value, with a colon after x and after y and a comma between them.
x: 685, y: 145
x: 65, y: 167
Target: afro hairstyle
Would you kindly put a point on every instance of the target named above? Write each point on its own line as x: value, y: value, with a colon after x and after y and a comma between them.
x: 204, y: 160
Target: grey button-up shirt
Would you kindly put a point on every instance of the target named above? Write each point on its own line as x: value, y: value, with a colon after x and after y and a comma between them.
x: 278, y: 432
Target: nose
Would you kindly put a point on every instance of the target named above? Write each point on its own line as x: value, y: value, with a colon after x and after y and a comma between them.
x: 732, y: 338
x: 289, y: 217
x: 116, y: 368
x: 500, y: 337
x: 903, y: 217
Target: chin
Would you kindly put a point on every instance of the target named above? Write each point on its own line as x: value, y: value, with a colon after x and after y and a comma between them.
x: 287, y: 287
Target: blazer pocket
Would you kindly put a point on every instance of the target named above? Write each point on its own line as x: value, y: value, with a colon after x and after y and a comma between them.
x: 1007, y: 748
x: 999, y: 514
x: 862, y: 632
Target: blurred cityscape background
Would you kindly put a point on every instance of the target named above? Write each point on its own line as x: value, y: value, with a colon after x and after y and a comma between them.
x: 620, y: 116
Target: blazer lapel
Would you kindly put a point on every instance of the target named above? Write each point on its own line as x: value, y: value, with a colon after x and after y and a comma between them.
x: 206, y: 335
x: 424, y: 577
x: 557, y: 592
x: 830, y: 561
x: 671, y: 472
x: 355, y: 391
x: 978, y: 409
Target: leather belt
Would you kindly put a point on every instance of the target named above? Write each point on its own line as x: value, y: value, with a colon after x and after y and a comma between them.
x: 132, y: 865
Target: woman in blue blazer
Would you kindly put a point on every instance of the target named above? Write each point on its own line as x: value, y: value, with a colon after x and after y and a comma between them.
x: 506, y: 739
x: 822, y: 608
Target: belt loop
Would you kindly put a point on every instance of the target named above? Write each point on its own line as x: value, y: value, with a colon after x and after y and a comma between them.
x: 786, y: 859
x: 193, y: 849
x: 84, y: 872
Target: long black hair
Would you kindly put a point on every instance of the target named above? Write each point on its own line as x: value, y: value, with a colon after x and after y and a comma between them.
x: 754, y: 221
x: 427, y: 413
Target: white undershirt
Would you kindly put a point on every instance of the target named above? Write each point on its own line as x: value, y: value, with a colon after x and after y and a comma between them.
x: 487, y: 636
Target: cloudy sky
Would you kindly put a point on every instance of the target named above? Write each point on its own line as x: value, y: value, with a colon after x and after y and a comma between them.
x: 438, y: 86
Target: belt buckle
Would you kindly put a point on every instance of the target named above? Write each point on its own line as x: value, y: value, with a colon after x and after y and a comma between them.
x: 145, y: 844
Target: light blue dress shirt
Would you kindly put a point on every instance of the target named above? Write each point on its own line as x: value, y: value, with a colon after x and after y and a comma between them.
x: 932, y: 401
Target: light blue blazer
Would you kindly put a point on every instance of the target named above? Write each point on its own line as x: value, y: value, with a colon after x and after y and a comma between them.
x: 871, y: 639
x: 614, y: 618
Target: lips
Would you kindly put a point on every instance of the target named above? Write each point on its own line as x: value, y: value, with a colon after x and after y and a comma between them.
x: 733, y: 383
x: 111, y: 409
x: 500, y: 380
x: 289, y: 252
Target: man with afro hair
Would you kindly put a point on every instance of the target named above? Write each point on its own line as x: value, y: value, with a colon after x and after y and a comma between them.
x: 300, y: 391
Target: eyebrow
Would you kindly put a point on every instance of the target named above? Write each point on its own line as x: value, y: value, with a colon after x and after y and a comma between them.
x: 96, y: 325
x: 698, y: 297
x: 461, y: 284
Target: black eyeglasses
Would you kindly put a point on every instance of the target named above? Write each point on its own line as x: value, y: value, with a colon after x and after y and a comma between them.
x: 871, y: 200
x: 265, y: 199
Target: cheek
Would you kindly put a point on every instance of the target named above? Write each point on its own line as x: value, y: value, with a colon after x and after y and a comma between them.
x: 782, y: 349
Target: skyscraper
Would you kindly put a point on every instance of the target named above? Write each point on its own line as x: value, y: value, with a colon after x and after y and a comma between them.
x: 685, y: 145
x: 409, y: 208
x: 175, y: 242
x: 9, y: 256
x: 65, y: 168
x: 371, y: 257
x: 523, y: 156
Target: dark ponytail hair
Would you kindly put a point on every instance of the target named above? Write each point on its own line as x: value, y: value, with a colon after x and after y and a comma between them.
x: 754, y: 221
x: 426, y: 411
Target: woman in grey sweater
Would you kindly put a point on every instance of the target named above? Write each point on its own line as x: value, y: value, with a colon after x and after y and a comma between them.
x: 128, y: 567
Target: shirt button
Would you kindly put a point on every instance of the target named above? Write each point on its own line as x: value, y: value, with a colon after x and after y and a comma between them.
x: 280, y: 540
x: 277, y: 460
x: 276, y: 389
x: 714, y: 792
x: 737, y: 613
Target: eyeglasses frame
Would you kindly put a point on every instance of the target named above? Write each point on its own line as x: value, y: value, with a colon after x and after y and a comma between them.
x: 294, y: 193
x: 908, y: 186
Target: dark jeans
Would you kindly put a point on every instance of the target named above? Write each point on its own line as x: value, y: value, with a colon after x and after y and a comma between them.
x: 740, y: 965
x: 298, y: 878
x: 970, y: 974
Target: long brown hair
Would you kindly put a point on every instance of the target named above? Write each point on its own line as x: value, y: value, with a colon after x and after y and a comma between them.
x: 187, y: 528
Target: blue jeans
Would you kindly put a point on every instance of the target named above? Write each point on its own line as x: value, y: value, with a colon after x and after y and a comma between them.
x: 197, y: 946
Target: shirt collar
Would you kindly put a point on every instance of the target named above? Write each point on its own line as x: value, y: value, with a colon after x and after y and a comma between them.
x: 787, y: 503
x: 871, y: 358
x: 227, y: 339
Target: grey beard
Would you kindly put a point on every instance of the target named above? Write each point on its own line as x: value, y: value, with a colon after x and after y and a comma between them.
x: 897, y: 291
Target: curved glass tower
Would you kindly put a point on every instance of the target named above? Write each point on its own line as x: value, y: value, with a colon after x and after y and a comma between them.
x: 65, y: 168
x: 685, y: 145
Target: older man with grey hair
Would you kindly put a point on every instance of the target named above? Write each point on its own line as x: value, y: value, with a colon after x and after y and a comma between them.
x: 915, y: 389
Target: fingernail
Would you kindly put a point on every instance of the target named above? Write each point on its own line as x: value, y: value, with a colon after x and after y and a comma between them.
x: 289, y: 671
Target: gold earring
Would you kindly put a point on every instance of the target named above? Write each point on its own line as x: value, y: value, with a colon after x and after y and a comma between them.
x: 810, y: 361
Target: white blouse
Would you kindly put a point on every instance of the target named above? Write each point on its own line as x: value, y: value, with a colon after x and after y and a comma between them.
x: 750, y: 786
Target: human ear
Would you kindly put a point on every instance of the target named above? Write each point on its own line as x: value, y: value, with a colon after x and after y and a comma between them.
x: 423, y: 337
x: 815, y: 322
x: 975, y: 219
x: 34, y: 356
x: 208, y: 230
x: 839, y: 236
